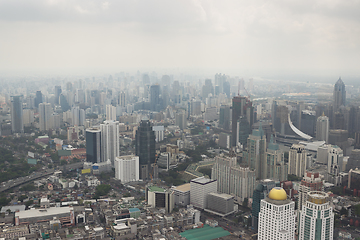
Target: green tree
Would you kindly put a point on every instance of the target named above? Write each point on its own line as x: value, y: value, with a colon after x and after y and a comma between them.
x: 102, y: 190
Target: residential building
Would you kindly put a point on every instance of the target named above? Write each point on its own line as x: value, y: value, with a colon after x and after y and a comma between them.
x: 127, y: 168
x: 110, y: 113
x: 322, y: 128
x: 297, y: 160
x: 312, y: 181
x: 45, y: 112
x: 17, y: 122
x: 110, y: 148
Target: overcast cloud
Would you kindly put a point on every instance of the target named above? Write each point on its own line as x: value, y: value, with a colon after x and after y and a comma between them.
x: 255, y: 37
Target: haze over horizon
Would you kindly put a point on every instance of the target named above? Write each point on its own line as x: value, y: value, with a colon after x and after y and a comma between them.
x: 249, y: 38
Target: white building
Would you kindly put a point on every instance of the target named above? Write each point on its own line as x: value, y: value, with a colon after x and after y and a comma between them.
x: 277, y: 216
x: 45, y: 112
x: 182, y: 194
x: 312, y: 181
x: 159, y: 133
x: 127, y: 168
x: 110, y: 112
x: 28, y: 117
x: 77, y: 116
x: 297, y: 160
x: 322, y: 128
x: 110, y: 141
x: 316, y: 218
x: 199, y: 190
x: 335, y: 164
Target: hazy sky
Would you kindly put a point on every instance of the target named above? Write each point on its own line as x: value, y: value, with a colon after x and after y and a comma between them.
x: 254, y: 37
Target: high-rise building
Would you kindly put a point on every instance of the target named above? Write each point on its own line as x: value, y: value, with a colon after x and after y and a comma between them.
x: 354, y: 160
x: 339, y: 94
x: 260, y: 192
x: 297, y: 160
x: 180, y: 119
x: 220, y: 203
x: 195, y: 108
x: 219, y: 81
x: 322, y: 128
x: 17, y: 124
x: 308, y: 122
x: 226, y: 89
x: 233, y: 179
x: 93, y: 145
x: 28, y: 117
x: 335, y: 163
x: 276, y: 167
x: 57, y: 94
x: 110, y: 148
x: 224, y: 117
x: 77, y: 116
x: 45, y: 112
x: 316, y: 217
x: 159, y: 133
x: 145, y: 148
x: 241, y: 106
x: 255, y: 156
x: 243, y: 131
x: 207, y: 89
x: 38, y: 98
x: 122, y: 99
x: 312, y: 181
x: 277, y: 216
x: 155, y: 97
x: 199, y: 190
x: 110, y: 112
x: 127, y: 168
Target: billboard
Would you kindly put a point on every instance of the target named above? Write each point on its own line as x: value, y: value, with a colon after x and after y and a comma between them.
x: 84, y: 171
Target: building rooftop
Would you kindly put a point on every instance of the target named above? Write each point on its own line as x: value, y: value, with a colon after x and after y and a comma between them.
x: 183, y: 188
x: 202, y: 180
x: 205, y: 233
x: 222, y: 195
x: 32, y: 213
x: 277, y: 193
x: 156, y: 189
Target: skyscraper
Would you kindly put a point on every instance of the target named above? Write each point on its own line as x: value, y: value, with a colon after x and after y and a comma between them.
x: 93, y: 145
x: 110, y: 112
x: 110, y: 148
x: 339, y: 94
x: 335, y: 163
x: 57, y: 94
x: 180, y: 119
x: 38, y: 98
x: 277, y: 216
x: 241, y: 106
x: 122, y: 99
x: 322, y: 128
x: 316, y: 218
x: 312, y: 181
x: 297, y: 160
x: 17, y: 124
x: 276, y: 167
x: 145, y: 148
x: 77, y: 116
x: 233, y: 179
x: 127, y: 168
x: 224, y: 118
x: 45, y: 112
x: 207, y: 89
x: 155, y: 97
x: 255, y: 156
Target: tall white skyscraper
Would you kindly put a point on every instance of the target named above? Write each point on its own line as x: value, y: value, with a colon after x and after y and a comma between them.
x: 45, y: 112
x: 322, y: 128
x: 127, y: 168
x: 316, y: 218
x: 199, y: 190
x: 335, y: 162
x: 297, y: 160
x: 28, y: 117
x: 109, y: 141
x: 77, y: 116
x: 276, y: 216
x: 110, y: 112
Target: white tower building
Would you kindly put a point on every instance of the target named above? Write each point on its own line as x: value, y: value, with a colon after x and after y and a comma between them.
x: 277, y: 216
x: 110, y: 112
x: 297, y: 160
x: 109, y: 141
x: 322, y: 128
x: 127, y: 168
x: 316, y: 218
x: 45, y: 112
x: 199, y: 190
x: 335, y: 162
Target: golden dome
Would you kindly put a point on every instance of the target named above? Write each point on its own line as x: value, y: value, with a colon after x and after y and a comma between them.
x: 277, y: 193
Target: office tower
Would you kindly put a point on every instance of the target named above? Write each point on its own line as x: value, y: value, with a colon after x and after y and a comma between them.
x: 276, y: 167
x: 317, y: 217
x: 255, y: 156
x: 195, y: 108
x: 38, y: 98
x: 312, y: 181
x: 122, y: 99
x: 80, y: 96
x: 225, y: 140
x: 220, y: 79
x: 45, y: 112
x: 54, y: 121
x: 322, y: 128
x: 224, y: 118
x: 207, y: 89
x: 30, y: 102
x: 297, y: 160
x: 17, y: 124
x: 243, y: 131
x: 233, y: 179
x: 182, y: 195
x: 159, y: 133
x: 276, y: 216
x: 110, y: 112
x: 260, y: 192
x: 210, y: 114
x: 57, y: 94
x: 199, y: 190
x: 322, y: 153
x: 339, y: 94
x: 93, y: 145
x: 127, y: 168
x: 77, y: 116
x: 64, y: 103
x: 220, y: 203
x: 110, y: 148
x: 226, y: 89
x: 180, y: 119
x: 155, y: 98
x: 308, y: 122
x: 335, y: 162
x: 145, y: 148
x: 69, y: 86
x: 241, y: 106
x: 28, y: 117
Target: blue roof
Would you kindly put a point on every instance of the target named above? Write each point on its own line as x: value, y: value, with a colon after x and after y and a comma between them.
x: 134, y: 210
